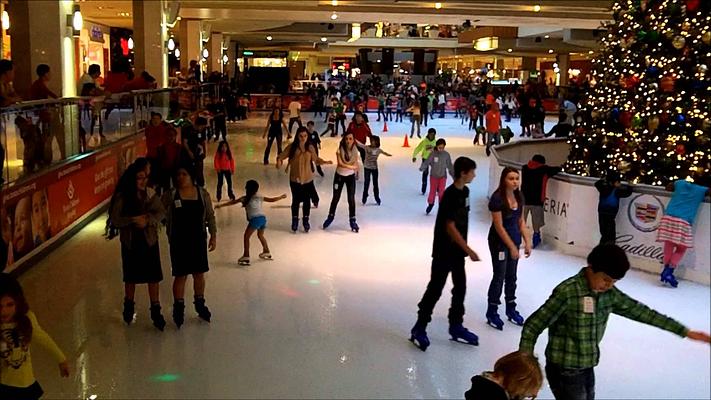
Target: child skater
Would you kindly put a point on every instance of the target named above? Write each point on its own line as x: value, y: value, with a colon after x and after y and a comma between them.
x: 346, y: 171
x: 507, y: 230
x: 315, y: 140
x: 370, y: 166
x: 225, y: 168
x: 439, y: 163
x: 331, y: 124
x: 675, y: 228
x: 19, y: 329
x: 449, y: 252
x: 516, y: 376
x: 425, y: 147
x: 611, y: 191
x: 257, y: 221
x: 576, y: 316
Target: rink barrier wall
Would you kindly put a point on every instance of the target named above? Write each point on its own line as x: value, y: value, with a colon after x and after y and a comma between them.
x: 63, y: 199
x: 571, y: 213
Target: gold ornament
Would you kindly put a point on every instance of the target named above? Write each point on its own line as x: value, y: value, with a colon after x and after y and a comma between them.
x: 653, y: 123
x: 686, y: 26
x: 702, y: 69
x: 679, y: 42
x: 706, y: 37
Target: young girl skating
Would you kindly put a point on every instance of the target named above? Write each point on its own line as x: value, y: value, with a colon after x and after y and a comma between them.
x: 225, y: 168
x: 257, y: 221
x: 370, y: 166
x: 348, y: 166
x: 19, y: 329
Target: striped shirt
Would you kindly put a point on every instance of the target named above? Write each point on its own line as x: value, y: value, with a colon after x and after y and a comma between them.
x: 574, y: 335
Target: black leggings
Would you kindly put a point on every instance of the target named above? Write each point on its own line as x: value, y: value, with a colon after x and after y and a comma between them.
x: 270, y: 140
x: 376, y: 190
x: 301, y: 193
x: 338, y: 182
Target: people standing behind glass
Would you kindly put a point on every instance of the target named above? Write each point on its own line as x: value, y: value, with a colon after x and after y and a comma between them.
x: 275, y: 123
x: 167, y: 160
x: 156, y: 133
x: 86, y: 87
x: 135, y: 213
x: 188, y: 211
x: 195, y: 148
x: 301, y: 154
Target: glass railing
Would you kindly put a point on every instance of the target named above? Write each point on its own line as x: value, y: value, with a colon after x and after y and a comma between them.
x: 36, y: 135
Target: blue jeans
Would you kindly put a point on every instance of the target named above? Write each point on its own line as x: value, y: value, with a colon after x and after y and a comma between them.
x: 504, y: 273
x: 571, y: 384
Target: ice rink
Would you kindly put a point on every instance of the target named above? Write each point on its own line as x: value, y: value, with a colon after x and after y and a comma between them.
x: 330, y: 316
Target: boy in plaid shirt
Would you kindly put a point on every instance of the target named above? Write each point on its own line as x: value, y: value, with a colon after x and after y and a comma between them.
x: 576, y: 317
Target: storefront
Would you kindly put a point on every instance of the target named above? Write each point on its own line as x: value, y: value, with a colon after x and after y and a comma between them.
x: 497, y: 68
x: 94, y: 47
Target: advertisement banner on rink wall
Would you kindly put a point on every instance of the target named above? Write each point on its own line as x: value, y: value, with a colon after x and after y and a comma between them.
x: 41, y: 208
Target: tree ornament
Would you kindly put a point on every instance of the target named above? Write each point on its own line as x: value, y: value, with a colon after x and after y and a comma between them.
x: 632, y: 81
x: 642, y: 35
x: 692, y: 5
x: 680, y: 149
x: 680, y: 118
x: 653, y: 71
x: 678, y: 42
x: 653, y: 36
x: 636, y: 121
x: 626, y: 119
x: 702, y: 69
x: 706, y: 37
x: 653, y: 123
x: 686, y: 26
x: 667, y: 84
x: 595, y: 114
x: 624, y: 166
x: 615, y: 114
x: 653, y: 86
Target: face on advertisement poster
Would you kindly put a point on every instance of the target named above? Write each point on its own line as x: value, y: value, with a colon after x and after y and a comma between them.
x: 22, y: 228
x: 6, y: 223
x: 40, y: 217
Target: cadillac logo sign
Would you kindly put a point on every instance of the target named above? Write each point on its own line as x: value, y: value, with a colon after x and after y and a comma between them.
x: 645, y: 212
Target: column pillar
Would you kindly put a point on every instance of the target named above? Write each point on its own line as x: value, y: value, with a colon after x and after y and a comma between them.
x: 215, y: 48
x: 39, y: 35
x: 190, y: 45
x: 564, y: 65
x: 149, y: 36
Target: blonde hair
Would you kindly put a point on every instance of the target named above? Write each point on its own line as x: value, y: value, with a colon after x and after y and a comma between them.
x: 520, y: 374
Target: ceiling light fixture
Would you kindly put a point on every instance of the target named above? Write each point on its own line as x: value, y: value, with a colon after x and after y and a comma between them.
x: 591, y: 52
x: 205, y: 54
x: 438, y: 5
x: 537, y: 8
x: 5, y: 20
x: 171, y: 44
x: 225, y: 59
x: 130, y: 43
x: 334, y: 3
x: 334, y: 16
x: 547, y: 37
x: 509, y: 50
x: 177, y: 53
x: 550, y: 51
x: 269, y: 38
x: 486, y: 43
x: 324, y: 39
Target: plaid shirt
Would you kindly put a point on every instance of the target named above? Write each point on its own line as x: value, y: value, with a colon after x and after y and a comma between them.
x: 574, y: 335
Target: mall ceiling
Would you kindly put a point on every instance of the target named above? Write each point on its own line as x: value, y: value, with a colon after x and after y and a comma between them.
x: 300, y: 24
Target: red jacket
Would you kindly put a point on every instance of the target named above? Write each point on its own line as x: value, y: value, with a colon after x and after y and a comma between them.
x: 360, y: 132
x: 224, y: 163
x: 155, y: 137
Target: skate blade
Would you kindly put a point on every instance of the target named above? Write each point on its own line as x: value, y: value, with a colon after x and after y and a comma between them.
x: 462, y: 341
x: 515, y: 322
x: 500, y: 328
x: 418, y: 344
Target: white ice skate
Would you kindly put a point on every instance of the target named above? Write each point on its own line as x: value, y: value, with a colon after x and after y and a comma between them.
x: 243, y: 261
x: 265, y: 256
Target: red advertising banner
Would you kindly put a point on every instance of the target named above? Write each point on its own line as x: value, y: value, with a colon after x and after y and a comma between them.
x: 37, y: 210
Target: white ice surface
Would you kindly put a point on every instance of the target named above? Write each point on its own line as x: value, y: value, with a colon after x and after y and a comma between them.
x: 330, y: 316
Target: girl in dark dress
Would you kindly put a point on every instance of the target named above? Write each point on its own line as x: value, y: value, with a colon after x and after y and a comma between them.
x: 515, y: 376
x: 134, y: 214
x: 188, y: 211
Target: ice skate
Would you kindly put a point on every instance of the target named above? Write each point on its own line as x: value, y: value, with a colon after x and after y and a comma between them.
x: 460, y: 332
x: 354, y: 225
x: 265, y: 255
x: 307, y: 224
x: 179, y: 313
x: 365, y: 199
x: 157, y: 317
x: 493, y: 319
x: 128, y: 310
x: 668, y: 277
x: 513, y: 315
x: 418, y: 337
x: 536, y: 239
x: 243, y: 261
x: 202, y: 310
x: 429, y: 209
x: 294, y: 224
x: 328, y: 221
x: 377, y: 200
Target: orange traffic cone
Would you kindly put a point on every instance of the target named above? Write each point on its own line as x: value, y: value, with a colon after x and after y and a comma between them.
x: 406, y: 144
x: 385, y: 126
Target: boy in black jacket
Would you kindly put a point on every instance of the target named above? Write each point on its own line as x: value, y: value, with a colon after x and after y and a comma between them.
x: 534, y: 178
x: 611, y: 191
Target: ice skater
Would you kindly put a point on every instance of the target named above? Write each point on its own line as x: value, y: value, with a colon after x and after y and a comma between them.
x: 225, y: 168
x: 516, y: 375
x: 257, y: 221
x: 611, y: 191
x: 507, y: 231
x: 331, y: 127
x: 370, y: 166
x: 576, y: 316
x: 675, y: 228
x: 346, y: 171
x: 315, y: 140
x: 425, y: 147
x: 534, y: 180
x: 449, y: 252
x: 439, y: 163
x: 20, y: 330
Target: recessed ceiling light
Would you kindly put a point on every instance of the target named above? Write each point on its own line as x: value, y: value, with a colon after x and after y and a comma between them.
x: 269, y: 37
x: 438, y: 5
x: 324, y: 39
x: 547, y: 36
x: 334, y: 2
x: 537, y: 8
x: 509, y: 50
x: 590, y: 52
x: 550, y: 51
x: 334, y: 16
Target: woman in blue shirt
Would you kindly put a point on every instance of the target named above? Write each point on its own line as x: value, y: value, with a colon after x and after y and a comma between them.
x: 507, y: 231
x: 675, y: 227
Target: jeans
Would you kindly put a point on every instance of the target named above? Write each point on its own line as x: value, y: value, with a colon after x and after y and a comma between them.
x: 437, y: 186
x: 366, y: 186
x: 608, y: 229
x: 292, y: 121
x: 424, y: 115
x: 227, y: 175
x: 415, y: 121
x: 301, y: 193
x: 504, y: 273
x: 270, y: 140
x: 338, y: 182
x: 571, y: 384
x: 440, y: 269
x: 381, y: 111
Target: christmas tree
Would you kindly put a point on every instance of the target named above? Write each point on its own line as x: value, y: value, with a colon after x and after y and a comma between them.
x: 648, y: 116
